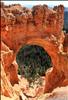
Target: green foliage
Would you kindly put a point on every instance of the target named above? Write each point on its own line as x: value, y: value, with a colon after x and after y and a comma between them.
x: 65, y: 30
x: 19, y: 70
x: 33, y: 61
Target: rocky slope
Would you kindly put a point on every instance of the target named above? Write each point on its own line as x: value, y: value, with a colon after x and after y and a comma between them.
x: 41, y: 26
x: 57, y: 94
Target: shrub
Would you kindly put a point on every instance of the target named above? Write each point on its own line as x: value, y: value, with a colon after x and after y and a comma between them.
x: 33, y: 61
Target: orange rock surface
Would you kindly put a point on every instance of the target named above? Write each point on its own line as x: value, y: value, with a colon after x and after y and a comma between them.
x: 57, y: 94
x: 40, y: 26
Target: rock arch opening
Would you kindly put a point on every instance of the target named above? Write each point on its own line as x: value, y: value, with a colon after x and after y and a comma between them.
x: 33, y: 60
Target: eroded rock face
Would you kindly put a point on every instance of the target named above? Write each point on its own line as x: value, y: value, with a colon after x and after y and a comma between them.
x: 57, y: 94
x: 7, y: 59
x: 21, y: 23
x: 65, y: 45
x: 37, y: 26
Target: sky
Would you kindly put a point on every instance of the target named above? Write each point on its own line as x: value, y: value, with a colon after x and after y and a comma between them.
x: 31, y: 3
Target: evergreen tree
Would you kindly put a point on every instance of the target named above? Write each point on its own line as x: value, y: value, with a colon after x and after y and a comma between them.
x: 33, y: 61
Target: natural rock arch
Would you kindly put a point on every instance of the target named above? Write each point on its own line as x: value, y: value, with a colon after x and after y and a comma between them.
x: 49, y: 47
x: 55, y: 72
x: 23, y: 30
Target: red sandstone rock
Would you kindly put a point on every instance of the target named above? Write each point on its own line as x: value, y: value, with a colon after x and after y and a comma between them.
x: 4, y: 47
x: 40, y: 26
x: 15, y: 35
x: 13, y: 69
x: 9, y: 65
x: 65, y: 44
x: 6, y: 87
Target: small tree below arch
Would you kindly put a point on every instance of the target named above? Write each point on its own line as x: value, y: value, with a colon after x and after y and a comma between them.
x: 33, y: 61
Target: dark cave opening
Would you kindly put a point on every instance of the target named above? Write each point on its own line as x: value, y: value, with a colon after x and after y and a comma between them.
x: 33, y: 61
